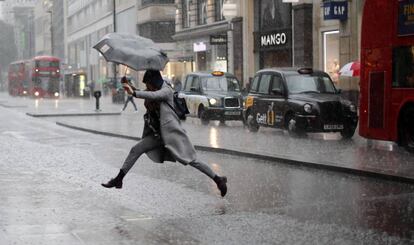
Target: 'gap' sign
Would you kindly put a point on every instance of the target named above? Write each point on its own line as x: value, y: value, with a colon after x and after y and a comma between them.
x: 335, y: 10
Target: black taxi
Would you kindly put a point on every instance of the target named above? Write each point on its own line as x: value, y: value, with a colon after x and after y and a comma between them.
x: 213, y: 96
x: 299, y: 100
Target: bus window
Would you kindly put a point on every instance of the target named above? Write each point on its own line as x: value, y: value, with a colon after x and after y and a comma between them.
x: 44, y: 63
x: 403, y: 67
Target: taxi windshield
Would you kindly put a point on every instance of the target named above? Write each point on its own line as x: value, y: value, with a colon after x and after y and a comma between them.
x: 299, y: 83
x: 222, y: 84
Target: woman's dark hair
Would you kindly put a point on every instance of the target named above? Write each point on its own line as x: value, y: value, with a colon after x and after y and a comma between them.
x: 153, y: 77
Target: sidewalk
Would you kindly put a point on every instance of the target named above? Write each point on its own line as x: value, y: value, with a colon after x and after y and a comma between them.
x: 327, y: 151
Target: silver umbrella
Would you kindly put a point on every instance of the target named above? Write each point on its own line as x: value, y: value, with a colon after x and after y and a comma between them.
x: 134, y: 51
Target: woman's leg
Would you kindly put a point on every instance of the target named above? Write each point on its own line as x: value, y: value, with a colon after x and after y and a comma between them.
x: 220, y: 181
x: 203, y: 168
x: 133, y: 103
x: 125, y: 105
x: 146, y: 144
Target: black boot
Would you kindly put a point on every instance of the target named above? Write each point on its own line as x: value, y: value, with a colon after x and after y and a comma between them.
x: 221, y: 184
x: 116, y: 182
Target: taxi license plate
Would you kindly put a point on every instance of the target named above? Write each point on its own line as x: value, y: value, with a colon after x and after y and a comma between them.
x: 333, y: 126
x: 232, y: 113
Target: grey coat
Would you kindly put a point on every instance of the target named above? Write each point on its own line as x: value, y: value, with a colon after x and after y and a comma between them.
x: 177, y: 144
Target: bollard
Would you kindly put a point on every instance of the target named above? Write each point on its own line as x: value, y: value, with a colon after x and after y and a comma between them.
x: 97, y: 95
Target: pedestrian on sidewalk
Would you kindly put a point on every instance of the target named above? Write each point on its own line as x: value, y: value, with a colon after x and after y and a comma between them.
x: 163, y: 137
x: 130, y: 98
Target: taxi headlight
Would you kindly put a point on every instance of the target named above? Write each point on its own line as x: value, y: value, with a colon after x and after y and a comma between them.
x: 307, y: 108
x: 212, y: 101
x: 36, y: 93
x: 24, y: 92
x: 352, y: 108
x: 56, y: 94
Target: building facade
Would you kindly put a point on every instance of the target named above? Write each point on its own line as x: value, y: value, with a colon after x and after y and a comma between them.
x: 87, y: 22
x: 43, y: 28
x: 305, y: 33
x: 337, y: 38
x: 58, y: 30
x: 20, y: 14
x: 157, y: 22
x: 206, y: 40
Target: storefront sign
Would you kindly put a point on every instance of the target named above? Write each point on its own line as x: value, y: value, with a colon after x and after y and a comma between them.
x: 218, y: 39
x: 334, y: 10
x: 199, y: 47
x: 406, y: 18
x: 273, y: 40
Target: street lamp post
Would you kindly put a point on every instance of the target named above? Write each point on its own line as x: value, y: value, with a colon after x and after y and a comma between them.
x: 229, y: 12
x: 114, y: 23
x: 51, y: 31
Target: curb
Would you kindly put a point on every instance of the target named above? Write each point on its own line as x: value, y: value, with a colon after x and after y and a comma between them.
x: 278, y: 159
x: 12, y: 106
x: 75, y: 114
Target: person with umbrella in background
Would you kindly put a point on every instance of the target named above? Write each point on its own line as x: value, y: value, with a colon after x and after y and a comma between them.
x: 130, y: 98
x: 163, y: 137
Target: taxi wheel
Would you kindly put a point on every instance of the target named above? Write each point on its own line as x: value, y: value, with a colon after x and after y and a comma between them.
x: 347, y: 132
x: 202, y: 114
x: 292, y: 128
x: 251, y: 123
x: 407, y: 129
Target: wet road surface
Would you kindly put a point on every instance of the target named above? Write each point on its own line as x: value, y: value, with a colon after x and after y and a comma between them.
x: 50, y: 194
x: 324, y: 149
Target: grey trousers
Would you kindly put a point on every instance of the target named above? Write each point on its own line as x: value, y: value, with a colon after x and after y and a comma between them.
x: 150, y: 143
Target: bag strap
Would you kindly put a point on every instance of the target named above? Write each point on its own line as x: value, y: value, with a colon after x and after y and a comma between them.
x: 172, y: 108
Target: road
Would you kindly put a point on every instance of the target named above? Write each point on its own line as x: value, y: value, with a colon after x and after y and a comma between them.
x: 51, y: 194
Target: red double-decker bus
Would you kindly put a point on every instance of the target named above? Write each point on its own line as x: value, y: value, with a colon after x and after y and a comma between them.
x: 387, y: 71
x: 16, y: 78
x: 38, y: 77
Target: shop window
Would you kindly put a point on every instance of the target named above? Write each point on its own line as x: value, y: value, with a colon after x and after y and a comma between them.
x: 264, y: 84
x: 403, y: 67
x: 331, y: 54
x: 202, y: 12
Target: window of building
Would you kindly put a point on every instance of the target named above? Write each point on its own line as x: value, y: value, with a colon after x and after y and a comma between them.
x: 331, y: 54
x: 218, y: 9
x: 149, y: 2
x: 160, y: 32
x: 403, y: 67
x: 275, y: 14
x: 185, y: 10
x: 202, y: 12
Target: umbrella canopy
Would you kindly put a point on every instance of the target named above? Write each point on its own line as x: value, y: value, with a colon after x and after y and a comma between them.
x: 134, y: 51
x: 351, y: 69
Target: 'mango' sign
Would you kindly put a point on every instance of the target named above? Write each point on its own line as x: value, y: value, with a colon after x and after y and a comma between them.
x: 406, y: 18
x: 273, y: 40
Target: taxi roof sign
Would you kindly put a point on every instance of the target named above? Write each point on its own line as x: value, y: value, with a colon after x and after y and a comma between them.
x: 305, y: 71
x: 217, y: 73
